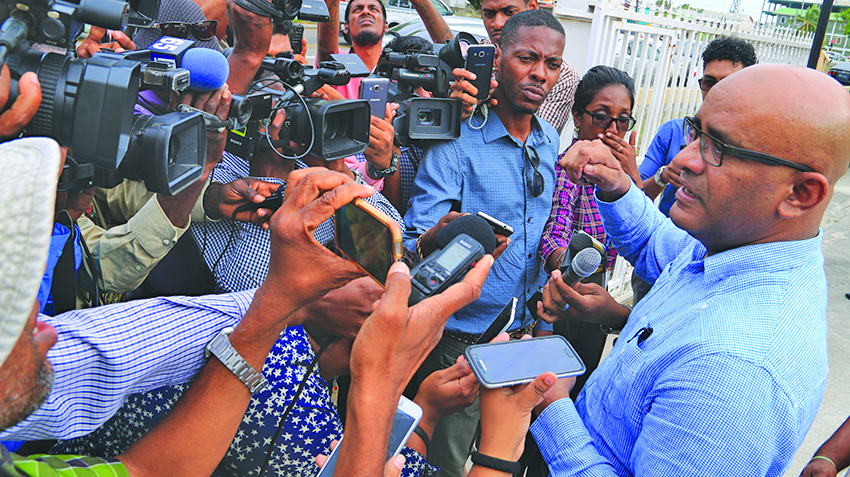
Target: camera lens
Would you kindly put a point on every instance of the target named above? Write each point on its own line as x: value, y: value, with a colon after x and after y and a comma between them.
x: 425, y: 117
x: 376, y: 88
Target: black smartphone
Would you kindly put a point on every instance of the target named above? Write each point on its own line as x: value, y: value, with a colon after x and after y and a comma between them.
x: 375, y: 90
x: 520, y: 361
x: 368, y: 237
x: 498, y: 226
x: 479, y: 60
x: 501, y: 323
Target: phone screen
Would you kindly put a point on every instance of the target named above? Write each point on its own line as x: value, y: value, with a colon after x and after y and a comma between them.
x: 402, y: 428
x: 366, y: 240
x: 520, y: 361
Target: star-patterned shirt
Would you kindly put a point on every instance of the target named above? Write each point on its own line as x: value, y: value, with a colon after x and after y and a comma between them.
x: 308, y: 430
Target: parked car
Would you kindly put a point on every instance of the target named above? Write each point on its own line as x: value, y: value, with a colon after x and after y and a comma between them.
x: 841, y: 72
x: 398, y: 12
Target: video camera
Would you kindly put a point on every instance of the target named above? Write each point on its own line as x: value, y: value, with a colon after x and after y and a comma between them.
x: 87, y: 105
x: 58, y: 22
x: 425, y: 118
x: 332, y: 129
x: 307, y: 10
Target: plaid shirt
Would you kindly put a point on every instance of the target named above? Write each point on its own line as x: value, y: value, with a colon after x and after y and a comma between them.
x: 576, y: 204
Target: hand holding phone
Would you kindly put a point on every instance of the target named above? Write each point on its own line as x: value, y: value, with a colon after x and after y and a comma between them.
x: 498, y: 226
x: 516, y: 362
x: 501, y: 324
x: 368, y: 237
x: 479, y: 60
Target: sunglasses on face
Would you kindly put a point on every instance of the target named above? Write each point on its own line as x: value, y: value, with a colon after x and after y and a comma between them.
x: 204, y: 30
x: 536, y: 183
x: 603, y: 121
x: 706, y: 84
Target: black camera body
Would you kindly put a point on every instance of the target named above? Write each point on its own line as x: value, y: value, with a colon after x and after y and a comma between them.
x: 332, y: 129
x: 58, y: 22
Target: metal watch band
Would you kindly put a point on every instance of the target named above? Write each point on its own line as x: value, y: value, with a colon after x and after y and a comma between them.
x: 221, y: 348
x: 658, y: 177
x: 383, y: 173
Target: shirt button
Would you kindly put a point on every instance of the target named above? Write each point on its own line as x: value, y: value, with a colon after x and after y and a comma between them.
x: 531, y: 255
x: 138, y: 267
x: 529, y: 220
x: 166, y: 241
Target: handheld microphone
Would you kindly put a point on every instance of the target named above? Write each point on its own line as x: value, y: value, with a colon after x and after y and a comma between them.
x: 582, y: 266
x: 208, y: 69
x: 461, y: 243
x: 579, y: 241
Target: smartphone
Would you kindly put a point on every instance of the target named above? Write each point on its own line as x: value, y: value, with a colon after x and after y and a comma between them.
x: 509, y: 363
x: 375, y: 90
x: 498, y: 226
x: 368, y: 237
x: 501, y: 323
x: 296, y: 33
x: 479, y: 60
x: 407, y: 417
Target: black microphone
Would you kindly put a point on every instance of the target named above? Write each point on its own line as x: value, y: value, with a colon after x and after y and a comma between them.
x: 471, y: 225
x: 582, y: 266
x: 460, y: 244
x: 579, y: 241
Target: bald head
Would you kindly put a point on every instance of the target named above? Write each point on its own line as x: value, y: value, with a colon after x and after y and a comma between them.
x: 795, y: 113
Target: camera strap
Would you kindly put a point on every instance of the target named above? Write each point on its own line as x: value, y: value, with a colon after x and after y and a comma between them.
x: 211, y: 121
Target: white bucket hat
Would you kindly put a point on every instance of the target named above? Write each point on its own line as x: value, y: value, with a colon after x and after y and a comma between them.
x: 29, y: 169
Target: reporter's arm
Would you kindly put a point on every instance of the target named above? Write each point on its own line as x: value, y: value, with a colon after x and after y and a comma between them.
x: 252, y: 35
x: 327, y: 34
x: 192, y: 439
x: 434, y: 22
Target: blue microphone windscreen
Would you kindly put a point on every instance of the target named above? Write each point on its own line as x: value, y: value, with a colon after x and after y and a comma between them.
x: 208, y: 69
x: 471, y: 225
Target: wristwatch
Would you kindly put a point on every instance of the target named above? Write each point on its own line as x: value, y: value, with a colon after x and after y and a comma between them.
x: 658, y: 177
x: 382, y: 173
x: 221, y: 348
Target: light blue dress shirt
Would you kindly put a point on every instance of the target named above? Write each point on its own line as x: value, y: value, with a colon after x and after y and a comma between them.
x: 732, y: 375
x: 107, y: 353
x: 487, y: 170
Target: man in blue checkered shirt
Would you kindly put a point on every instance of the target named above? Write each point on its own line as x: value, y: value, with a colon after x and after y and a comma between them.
x: 720, y: 370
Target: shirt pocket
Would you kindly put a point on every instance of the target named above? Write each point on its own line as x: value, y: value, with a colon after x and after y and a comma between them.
x: 619, y: 395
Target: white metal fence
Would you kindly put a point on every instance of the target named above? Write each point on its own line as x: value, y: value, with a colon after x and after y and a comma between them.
x: 661, y: 51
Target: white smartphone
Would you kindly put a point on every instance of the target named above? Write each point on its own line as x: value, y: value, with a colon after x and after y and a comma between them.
x: 520, y: 361
x: 501, y: 323
x: 405, y: 420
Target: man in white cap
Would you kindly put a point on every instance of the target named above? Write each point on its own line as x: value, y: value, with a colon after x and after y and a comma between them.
x: 195, y: 436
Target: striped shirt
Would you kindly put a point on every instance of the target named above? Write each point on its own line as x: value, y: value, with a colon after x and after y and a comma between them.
x: 107, y: 353
x: 731, y: 375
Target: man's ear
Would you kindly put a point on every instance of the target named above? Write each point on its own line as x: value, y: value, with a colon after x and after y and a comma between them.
x: 386, y: 28
x: 532, y: 4
x: 810, y: 190
x: 344, y: 29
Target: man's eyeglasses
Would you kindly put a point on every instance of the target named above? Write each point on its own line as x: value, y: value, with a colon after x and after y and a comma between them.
x: 706, y: 84
x: 536, y: 183
x: 203, y: 30
x: 712, y: 149
x: 603, y: 121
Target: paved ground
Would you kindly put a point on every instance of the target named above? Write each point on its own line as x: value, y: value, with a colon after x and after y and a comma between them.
x: 836, y: 401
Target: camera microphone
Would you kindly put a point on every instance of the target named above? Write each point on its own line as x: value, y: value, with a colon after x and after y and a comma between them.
x: 461, y: 243
x: 208, y: 69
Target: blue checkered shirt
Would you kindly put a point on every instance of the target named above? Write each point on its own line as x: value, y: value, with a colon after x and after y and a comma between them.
x: 107, y: 353
x: 238, y: 253
x: 732, y: 375
x: 487, y: 170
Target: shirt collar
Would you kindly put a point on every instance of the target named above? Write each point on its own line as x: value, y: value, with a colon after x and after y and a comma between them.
x: 493, y: 129
x: 768, y: 257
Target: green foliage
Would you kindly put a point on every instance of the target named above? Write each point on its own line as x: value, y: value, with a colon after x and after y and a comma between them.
x: 808, y: 19
x: 844, y: 18
x: 475, y: 4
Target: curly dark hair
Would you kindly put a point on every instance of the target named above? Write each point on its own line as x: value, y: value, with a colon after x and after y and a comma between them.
x: 598, y: 78
x: 735, y: 50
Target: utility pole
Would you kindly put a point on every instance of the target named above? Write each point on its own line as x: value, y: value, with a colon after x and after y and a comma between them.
x: 820, y: 33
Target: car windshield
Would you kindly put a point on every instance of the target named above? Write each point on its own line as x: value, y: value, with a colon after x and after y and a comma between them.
x: 440, y: 7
